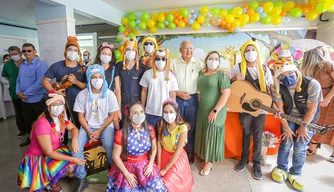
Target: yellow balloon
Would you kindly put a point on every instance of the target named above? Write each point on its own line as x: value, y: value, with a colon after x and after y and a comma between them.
x: 244, y: 18
x: 276, y: 20
x: 268, y: 7
x: 237, y: 11
x: 125, y: 21
x: 201, y: 19
x: 155, y: 16
x: 255, y: 17
x: 242, y: 24
x: 288, y: 6
x: 181, y: 24
x: 312, y: 15
x: 229, y: 18
x: 150, y: 23
x: 204, y: 10
x: 223, y: 13
x: 329, y: 4
x: 153, y: 29
x: 236, y: 23
x: 196, y: 26
x: 276, y: 11
x: 161, y: 17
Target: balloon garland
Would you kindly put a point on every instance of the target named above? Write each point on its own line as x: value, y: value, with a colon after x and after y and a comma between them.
x: 232, y: 20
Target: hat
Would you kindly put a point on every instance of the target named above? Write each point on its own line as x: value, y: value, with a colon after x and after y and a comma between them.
x: 91, y: 70
x: 129, y: 43
x: 148, y: 38
x: 53, y: 98
x: 72, y: 40
x: 243, y: 65
x: 162, y: 52
x: 284, y: 53
x: 106, y: 45
x: 281, y: 66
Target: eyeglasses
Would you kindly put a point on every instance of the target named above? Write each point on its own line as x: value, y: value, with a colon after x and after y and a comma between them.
x: 148, y: 43
x: 61, y: 136
x: 24, y: 51
x: 163, y: 59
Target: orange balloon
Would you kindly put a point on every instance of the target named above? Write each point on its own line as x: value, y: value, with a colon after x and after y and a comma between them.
x: 166, y: 14
x: 175, y: 15
x: 305, y: 10
x: 126, y: 33
x: 176, y: 21
x: 298, y: 6
x: 250, y: 11
x: 245, y: 6
x: 311, y: 7
x: 262, y: 4
x: 185, y: 20
x: 283, y: 13
x: 222, y: 24
x: 179, y: 17
x: 228, y: 25
x: 231, y: 29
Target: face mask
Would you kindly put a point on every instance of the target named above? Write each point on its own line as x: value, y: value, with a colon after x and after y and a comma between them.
x: 138, y: 118
x: 16, y: 57
x: 149, y: 48
x: 130, y: 55
x: 289, y: 81
x: 105, y: 58
x: 72, y: 56
x: 212, y: 64
x: 160, y: 64
x: 251, y: 56
x: 97, y: 83
x: 57, y: 110
x: 169, y: 117
x: 85, y: 58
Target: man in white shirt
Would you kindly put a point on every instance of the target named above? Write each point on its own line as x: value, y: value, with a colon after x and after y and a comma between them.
x: 186, y: 69
x: 96, y: 106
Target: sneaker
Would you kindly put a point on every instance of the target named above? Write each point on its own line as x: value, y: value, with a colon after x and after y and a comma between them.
x: 331, y: 158
x: 241, y: 165
x: 21, y: 134
x: 295, y: 184
x: 279, y: 175
x: 256, y: 173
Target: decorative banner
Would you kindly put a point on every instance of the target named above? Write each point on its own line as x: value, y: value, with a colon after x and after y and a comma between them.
x: 232, y: 20
x: 297, y: 49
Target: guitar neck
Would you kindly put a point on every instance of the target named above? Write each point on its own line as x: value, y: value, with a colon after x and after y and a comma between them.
x: 285, y: 116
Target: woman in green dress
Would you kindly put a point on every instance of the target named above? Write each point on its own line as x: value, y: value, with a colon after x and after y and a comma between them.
x: 214, y: 91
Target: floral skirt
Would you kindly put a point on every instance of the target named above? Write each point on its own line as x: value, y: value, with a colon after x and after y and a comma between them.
x: 117, y: 181
x: 36, y: 172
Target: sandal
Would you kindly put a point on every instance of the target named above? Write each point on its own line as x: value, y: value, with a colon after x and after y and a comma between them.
x: 205, y: 172
x: 331, y: 158
x: 54, y: 188
x: 279, y: 175
x: 295, y: 184
x: 311, y: 152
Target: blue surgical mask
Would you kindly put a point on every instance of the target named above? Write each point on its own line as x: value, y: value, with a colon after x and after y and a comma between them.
x: 289, y: 81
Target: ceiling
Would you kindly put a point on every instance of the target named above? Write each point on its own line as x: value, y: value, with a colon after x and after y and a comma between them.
x: 150, y: 5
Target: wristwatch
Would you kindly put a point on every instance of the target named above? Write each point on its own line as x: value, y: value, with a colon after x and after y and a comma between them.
x: 214, y: 110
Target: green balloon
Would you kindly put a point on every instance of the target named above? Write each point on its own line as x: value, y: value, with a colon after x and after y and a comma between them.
x: 230, y: 11
x: 132, y: 24
x: 254, y: 5
x: 266, y: 20
x: 121, y: 28
x: 320, y: 8
x: 132, y: 16
x: 279, y: 4
x: 215, y: 11
x: 161, y: 25
x: 119, y: 39
x: 184, y: 12
x: 171, y: 26
x: 142, y: 25
x: 296, y: 12
x: 170, y: 17
x: 117, y: 54
x: 132, y: 36
x: 145, y: 16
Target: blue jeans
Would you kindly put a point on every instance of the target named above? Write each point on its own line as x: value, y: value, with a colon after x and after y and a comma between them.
x: 299, y: 152
x: 107, y: 138
x: 152, y: 119
x: 188, y: 111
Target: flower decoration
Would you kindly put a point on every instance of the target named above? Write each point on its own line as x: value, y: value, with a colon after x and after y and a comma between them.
x: 269, y: 140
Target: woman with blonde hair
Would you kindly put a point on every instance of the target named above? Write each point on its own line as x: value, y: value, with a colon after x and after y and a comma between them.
x: 317, y: 65
x: 214, y: 91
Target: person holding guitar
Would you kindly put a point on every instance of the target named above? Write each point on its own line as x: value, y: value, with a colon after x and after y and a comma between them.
x: 252, y: 70
x: 70, y: 76
x: 297, y: 96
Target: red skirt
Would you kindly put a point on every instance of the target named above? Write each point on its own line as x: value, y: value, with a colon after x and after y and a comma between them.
x: 178, y: 177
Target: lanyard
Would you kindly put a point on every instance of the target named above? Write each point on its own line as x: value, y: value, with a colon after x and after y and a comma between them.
x: 112, y: 76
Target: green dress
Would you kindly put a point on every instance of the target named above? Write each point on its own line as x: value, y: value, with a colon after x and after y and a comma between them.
x: 209, y: 137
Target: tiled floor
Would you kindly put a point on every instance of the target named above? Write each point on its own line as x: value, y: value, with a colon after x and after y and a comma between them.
x: 318, y: 173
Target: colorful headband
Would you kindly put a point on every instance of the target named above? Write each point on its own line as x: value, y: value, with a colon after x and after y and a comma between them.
x: 54, y: 97
x: 170, y: 101
x: 105, y: 44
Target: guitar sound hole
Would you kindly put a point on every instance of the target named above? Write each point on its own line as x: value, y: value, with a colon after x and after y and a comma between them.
x: 247, y: 107
x: 256, y: 103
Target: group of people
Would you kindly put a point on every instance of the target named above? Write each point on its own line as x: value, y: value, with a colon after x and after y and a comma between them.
x: 147, y: 108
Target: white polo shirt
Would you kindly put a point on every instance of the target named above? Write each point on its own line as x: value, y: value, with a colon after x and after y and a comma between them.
x: 187, y: 74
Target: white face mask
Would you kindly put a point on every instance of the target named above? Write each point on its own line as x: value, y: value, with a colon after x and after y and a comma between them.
x: 15, y: 57
x: 57, y: 110
x: 138, y: 118
x: 169, y: 117
x: 251, y: 56
x: 72, y: 56
x: 130, y: 55
x: 160, y: 64
x: 105, y: 58
x: 97, y: 83
x: 149, y: 48
x: 212, y: 64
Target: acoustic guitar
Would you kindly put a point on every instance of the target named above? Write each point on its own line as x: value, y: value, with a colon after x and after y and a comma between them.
x: 65, y: 83
x: 245, y: 98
